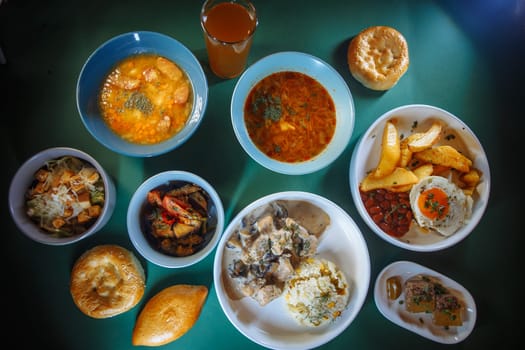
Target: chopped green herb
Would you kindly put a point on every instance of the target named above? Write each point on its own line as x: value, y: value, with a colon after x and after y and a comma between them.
x: 269, y: 105
x: 138, y: 100
x: 434, y: 205
x: 440, y: 289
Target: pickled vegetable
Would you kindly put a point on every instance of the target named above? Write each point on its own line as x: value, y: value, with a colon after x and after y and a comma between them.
x: 393, y: 288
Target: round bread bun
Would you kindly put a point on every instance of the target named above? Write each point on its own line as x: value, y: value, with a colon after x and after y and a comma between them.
x: 107, y: 280
x: 378, y: 57
x: 169, y: 314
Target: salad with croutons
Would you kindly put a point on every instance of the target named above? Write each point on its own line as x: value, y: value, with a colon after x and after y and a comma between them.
x: 66, y: 196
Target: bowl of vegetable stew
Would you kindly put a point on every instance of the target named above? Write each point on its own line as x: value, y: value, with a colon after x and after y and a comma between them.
x: 175, y: 219
x: 292, y: 113
x: 61, y: 195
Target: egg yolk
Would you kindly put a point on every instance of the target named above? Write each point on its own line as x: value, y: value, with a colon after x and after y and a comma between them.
x: 433, y: 203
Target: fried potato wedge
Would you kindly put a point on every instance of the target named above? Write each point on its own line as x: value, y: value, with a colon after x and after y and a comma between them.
x: 399, y: 177
x: 470, y: 181
x: 421, y: 172
x: 445, y: 155
x: 441, y: 170
x: 421, y: 141
x: 390, y: 151
x: 398, y: 189
x: 405, y: 153
x: 471, y: 178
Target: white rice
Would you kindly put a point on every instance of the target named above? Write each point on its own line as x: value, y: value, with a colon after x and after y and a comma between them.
x: 318, y: 293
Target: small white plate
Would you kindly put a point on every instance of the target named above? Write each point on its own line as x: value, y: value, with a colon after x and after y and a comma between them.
x: 421, y: 323
x: 271, y: 325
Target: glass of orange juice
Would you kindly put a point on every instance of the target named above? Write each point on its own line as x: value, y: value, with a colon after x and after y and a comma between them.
x: 228, y: 26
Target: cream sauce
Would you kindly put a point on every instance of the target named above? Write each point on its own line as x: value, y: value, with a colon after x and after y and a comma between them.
x: 311, y: 217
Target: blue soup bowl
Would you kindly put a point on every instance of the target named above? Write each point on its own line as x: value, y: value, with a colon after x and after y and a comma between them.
x: 105, y: 57
x: 317, y: 69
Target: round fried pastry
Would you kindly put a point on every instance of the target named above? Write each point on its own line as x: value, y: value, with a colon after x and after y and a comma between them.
x: 378, y: 57
x: 107, y: 280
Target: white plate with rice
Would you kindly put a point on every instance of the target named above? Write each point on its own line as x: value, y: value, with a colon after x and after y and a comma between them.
x: 274, y: 325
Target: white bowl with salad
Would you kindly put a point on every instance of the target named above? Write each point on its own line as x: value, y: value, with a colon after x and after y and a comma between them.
x: 61, y: 195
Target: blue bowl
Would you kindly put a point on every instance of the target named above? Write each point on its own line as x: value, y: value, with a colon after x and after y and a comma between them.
x: 320, y: 71
x: 105, y: 57
x: 134, y: 218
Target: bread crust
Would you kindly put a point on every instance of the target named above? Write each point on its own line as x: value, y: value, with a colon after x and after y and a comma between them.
x: 169, y: 314
x: 107, y: 280
x: 378, y: 57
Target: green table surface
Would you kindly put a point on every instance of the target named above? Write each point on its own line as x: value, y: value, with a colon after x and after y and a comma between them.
x: 466, y: 57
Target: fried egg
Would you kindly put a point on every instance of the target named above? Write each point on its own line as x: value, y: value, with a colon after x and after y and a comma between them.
x: 440, y: 205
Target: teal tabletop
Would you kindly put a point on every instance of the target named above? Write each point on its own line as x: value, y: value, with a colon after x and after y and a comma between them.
x: 465, y: 57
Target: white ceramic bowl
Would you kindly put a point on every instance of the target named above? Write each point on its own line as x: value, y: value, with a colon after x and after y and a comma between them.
x: 367, y: 153
x: 138, y: 201
x: 320, y: 71
x: 24, y: 178
x: 271, y: 325
x: 106, y: 56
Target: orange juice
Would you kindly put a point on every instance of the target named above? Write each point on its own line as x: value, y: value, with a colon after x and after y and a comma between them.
x: 228, y: 31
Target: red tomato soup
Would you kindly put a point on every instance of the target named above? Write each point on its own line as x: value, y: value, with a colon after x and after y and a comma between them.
x: 290, y: 116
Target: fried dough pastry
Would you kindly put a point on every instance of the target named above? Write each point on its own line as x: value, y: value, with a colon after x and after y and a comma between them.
x: 169, y: 314
x: 107, y: 280
x: 378, y: 57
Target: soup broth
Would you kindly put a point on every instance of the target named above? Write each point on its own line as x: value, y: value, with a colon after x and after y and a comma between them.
x: 290, y: 116
x: 146, y: 99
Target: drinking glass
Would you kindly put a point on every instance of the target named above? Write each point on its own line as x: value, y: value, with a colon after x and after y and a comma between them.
x: 228, y: 27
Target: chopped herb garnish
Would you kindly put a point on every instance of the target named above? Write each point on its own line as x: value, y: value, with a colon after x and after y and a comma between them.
x: 138, y: 100
x: 434, y: 205
x: 269, y: 105
x: 273, y: 112
x: 439, y: 289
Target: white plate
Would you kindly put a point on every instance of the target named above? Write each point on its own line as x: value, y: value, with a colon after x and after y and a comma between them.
x: 395, y: 312
x: 415, y: 118
x: 272, y: 326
